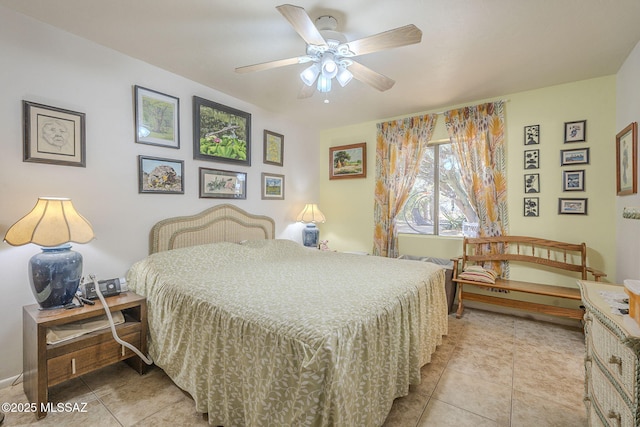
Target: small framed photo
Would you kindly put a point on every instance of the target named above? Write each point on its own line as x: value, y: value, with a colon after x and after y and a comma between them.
x: 348, y: 161
x: 163, y: 176
x: 627, y: 160
x: 572, y: 206
x: 272, y: 186
x: 273, y: 151
x: 532, y: 159
x: 221, y: 133
x: 532, y: 135
x: 531, y: 205
x: 575, y: 131
x: 157, y: 118
x: 532, y: 183
x: 578, y: 156
x: 573, y: 180
x: 53, y: 135
x: 221, y: 184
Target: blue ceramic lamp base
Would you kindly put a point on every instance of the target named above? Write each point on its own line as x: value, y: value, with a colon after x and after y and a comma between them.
x: 55, y: 275
x: 310, y: 235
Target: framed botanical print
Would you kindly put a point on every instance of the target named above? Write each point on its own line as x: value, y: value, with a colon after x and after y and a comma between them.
x: 531, y: 206
x: 273, y: 150
x: 221, y: 184
x: 532, y: 159
x: 532, y: 183
x: 532, y: 135
x: 53, y: 135
x: 272, y: 186
x: 221, y: 133
x: 157, y: 118
x: 627, y: 160
x: 163, y: 176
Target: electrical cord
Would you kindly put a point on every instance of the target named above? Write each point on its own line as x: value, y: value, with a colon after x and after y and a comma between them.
x: 147, y: 359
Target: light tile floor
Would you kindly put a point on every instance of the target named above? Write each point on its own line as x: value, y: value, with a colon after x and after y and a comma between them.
x: 491, y: 370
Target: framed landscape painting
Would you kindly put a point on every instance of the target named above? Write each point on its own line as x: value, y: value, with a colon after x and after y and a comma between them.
x: 157, y: 118
x: 348, y: 161
x: 272, y: 186
x: 221, y: 133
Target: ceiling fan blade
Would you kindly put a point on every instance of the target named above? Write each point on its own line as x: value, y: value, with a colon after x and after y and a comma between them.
x: 271, y: 64
x: 409, y: 34
x: 306, y: 91
x: 370, y: 77
x: 303, y: 25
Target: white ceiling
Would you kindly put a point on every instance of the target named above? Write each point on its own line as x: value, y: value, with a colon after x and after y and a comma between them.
x: 470, y: 49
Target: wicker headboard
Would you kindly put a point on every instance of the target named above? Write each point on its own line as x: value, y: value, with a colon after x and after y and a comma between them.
x: 222, y: 223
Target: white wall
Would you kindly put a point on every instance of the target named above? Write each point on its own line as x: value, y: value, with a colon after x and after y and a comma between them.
x: 42, y: 64
x: 627, y: 111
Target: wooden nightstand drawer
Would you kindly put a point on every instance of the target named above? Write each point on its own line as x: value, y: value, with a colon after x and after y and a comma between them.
x: 74, y: 364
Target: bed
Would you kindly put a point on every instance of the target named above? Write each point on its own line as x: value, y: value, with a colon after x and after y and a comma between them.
x: 263, y: 331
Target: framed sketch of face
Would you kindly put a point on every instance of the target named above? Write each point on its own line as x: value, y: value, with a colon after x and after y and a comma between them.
x: 53, y: 135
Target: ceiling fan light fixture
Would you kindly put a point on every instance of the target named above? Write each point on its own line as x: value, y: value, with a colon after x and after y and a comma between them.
x: 310, y: 74
x: 329, y: 66
x: 344, y: 76
x: 324, y: 84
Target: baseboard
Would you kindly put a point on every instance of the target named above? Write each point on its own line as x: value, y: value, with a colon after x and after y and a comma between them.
x: 524, y: 314
x: 8, y: 382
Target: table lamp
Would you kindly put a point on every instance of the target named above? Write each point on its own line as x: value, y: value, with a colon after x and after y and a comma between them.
x: 55, y: 272
x: 310, y: 214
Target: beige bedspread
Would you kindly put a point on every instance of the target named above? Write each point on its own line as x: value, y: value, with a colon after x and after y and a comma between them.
x: 273, y: 333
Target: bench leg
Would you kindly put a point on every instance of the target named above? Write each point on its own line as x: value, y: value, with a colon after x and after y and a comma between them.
x: 460, y: 305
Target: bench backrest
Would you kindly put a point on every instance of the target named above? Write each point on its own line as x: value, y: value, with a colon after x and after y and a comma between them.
x: 551, y: 253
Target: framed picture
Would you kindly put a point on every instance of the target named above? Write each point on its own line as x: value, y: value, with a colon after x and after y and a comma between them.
x: 272, y: 186
x: 221, y: 133
x: 220, y: 184
x: 578, y: 156
x: 572, y: 206
x: 53, y: 135
x: 532, y: 159
x: 627, y: 160
x: 532, y: 135
x: 348, y: 161
x: 164, y: 176
x: 157, y: 118
x: 273, y: 151
x: 532, y: 183
x: 573, y: 180
x: 531, y: 205
x: 575, y: 131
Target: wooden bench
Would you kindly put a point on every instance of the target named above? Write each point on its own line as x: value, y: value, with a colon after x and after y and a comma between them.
x: 542, y: 252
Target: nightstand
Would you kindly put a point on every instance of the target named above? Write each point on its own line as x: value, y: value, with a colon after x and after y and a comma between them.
x: 46, y: 365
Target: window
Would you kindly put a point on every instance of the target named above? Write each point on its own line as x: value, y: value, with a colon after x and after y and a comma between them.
x: 438, y: 204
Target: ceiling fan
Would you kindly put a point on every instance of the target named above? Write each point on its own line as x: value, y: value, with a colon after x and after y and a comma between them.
x: 331, y: 56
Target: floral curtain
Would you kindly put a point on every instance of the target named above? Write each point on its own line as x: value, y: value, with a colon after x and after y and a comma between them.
x: 477, y: 134
x: 400, y: 147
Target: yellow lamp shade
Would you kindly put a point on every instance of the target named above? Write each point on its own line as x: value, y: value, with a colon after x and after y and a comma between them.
x: 52, y: 222
x: 311, y: 213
